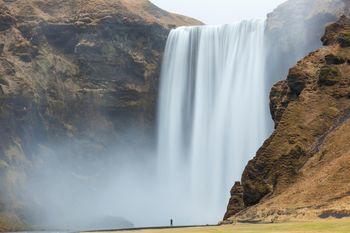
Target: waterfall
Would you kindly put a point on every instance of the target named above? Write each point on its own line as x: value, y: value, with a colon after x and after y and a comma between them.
x: 212, y: 115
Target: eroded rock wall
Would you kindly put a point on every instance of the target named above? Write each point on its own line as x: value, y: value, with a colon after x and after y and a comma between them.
x: 74, y: 74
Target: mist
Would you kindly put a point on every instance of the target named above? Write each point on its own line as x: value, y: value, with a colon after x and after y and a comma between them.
x: 114, y: 189
x: 121, y: 187
x: 78, y: 184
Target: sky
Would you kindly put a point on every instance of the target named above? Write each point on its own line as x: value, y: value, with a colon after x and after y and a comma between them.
x: 220, y: 11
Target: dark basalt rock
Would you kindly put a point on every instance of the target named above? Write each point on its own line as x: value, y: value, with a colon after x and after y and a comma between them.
x: 296, y: 81
x: 332, y: 59
x: 236, y: 203
x: 24, y: 50
x: 335, y: 214
x: 285, y: 91
x: 3, y: 81
x: 32, y: 33
x: 6, y: 19
x: 103, y: 61
x: 61, y: 36
x: 254, y: 185
x: 344, y: 40
x: 1, y: 48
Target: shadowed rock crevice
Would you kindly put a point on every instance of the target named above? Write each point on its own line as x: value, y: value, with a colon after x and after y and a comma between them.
x: 236, y: 203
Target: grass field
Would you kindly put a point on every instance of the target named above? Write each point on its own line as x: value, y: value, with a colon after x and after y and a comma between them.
x: 329, y: 226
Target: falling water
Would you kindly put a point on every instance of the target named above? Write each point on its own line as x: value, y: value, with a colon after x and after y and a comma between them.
x: 212, y: 115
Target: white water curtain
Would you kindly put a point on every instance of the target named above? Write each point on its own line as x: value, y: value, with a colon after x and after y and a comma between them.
x: 212, y: 115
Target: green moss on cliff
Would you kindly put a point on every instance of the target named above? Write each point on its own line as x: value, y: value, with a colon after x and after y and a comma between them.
x: 329, y: 75
x: 344, y: 40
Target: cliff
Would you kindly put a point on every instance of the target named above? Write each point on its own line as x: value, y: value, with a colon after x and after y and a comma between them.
x: 294, y: 29
x: 302, y: 170
x: 77, y: 72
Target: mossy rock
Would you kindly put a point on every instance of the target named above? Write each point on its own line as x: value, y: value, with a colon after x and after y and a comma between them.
x: 329, y: 76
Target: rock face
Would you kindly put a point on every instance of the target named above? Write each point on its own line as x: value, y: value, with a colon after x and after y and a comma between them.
x: 74, y: 70
x: 294, y: 29
x: 236, y: 203
x: 302, y: 170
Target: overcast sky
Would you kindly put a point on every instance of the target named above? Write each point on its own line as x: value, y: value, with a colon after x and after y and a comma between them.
x: 220, y: 11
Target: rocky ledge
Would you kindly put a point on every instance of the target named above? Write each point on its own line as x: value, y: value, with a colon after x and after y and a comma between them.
x: 302, y: 170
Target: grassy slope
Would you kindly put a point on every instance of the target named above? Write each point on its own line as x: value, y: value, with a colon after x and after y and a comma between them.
x: 329, y: 226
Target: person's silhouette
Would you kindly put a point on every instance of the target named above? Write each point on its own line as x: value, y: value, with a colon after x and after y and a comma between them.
x: 171, y: 222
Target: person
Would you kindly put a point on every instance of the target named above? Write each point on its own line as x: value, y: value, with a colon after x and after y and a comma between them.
x: 171, y: 222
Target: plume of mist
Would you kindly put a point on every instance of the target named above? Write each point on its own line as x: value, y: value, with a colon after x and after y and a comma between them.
x: 73, y: 185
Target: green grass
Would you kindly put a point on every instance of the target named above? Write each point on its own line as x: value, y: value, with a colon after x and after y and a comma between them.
x: 329, y: 226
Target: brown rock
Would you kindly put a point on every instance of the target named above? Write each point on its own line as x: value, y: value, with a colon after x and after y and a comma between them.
x: 294, y: 29
x: 236, y: 203
x: 338, y: 33
x: 7, y: 67
x: 278, y: 100
x: 75, y: 71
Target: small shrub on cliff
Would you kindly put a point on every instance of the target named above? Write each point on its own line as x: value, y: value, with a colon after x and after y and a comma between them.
x: 329, y: 75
